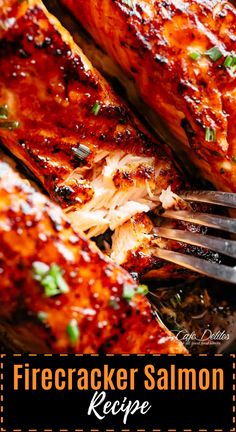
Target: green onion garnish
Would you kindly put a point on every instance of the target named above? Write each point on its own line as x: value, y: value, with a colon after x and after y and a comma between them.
x: 142, y: 289
x: 114, y: 304
x: 73, y: 331
x: 214, y: 53
x: 210, y: 135
x: 42, y: 316
x: 50, y: 278
x: 50, y: 286
x: 40, y: 269
x: 10, y: 125
x: 96, y: 108
x: 82, y: 152
x: 230, y: 62
x: 195, y: 55
x: 128, y: 292
x: 222, y: 171
x: 233, y: 159
x: 56, y: 274
x: 3, y: 112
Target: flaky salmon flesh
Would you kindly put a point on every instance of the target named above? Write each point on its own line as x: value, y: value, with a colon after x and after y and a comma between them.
x: 182, y: 56
x: 90, y: 153
x: 58, y: 293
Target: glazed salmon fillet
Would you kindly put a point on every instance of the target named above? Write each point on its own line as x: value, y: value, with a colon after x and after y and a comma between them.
x: 182, y: 57
x: 58, y: 292
x: 91, y: 154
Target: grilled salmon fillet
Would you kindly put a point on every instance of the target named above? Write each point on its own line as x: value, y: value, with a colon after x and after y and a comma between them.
x: 182, y: 57
x: 58, y: 293
x: 91, y: 154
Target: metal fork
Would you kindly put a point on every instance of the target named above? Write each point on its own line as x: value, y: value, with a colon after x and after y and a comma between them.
x: 223, y: 246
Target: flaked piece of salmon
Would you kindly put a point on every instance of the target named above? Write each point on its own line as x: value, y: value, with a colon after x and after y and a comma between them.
x: 58, y: 293
x: 92, y: 155
x: 182, y: 57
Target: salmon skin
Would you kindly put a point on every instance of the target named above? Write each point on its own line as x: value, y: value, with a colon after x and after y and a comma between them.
x: 91, y: 154
x: 181, y: 55
x: 95, y: 306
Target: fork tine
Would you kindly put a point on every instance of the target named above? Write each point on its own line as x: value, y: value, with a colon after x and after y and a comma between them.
x: 213, y: 270
x: 212, y: 197
x: 226, y: 247
x: 219, y: 222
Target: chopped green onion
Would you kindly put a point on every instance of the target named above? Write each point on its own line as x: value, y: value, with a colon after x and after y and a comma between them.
x: 195, y: 55
x: 42, y: 316
x: 210, y: 135
x: 56, y: 274
x: 233, y: 159
x: 50, y: 278
x: 39, y: 269
x: 10, y: 125
x: 82, y: 152
x: 222, y: 171
x: 50, y: 286
x: 214, y: 53
x: 3, y: 112
x: 142, y: 289
x: 96, y: 108
x: 128, y: 292
x: 73, y: 331
x: 114, y: 304
x: 228, y: 61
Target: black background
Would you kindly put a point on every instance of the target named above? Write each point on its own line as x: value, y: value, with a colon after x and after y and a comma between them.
x: 68, y: 409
